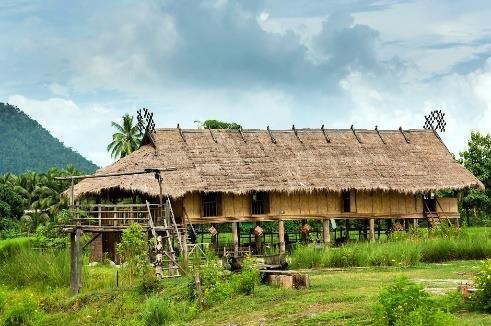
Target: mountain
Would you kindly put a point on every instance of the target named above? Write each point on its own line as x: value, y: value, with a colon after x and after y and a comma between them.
x: 26, y: 145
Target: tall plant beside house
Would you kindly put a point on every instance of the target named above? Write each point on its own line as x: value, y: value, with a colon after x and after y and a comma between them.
x: 126, y: 139
x: 132, y: 251
x: 477, y: 159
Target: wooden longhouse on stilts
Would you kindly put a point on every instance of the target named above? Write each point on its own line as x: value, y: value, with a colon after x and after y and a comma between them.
x: 232, y: 176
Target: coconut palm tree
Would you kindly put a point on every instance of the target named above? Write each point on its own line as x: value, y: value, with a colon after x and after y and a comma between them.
x: 126, y: 139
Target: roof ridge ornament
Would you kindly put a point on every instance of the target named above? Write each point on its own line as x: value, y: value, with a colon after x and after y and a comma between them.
x: 435, y: 116
x: 325, y: 134
x: 354, y: 133
x: 273, y: 140
x: 405, y: 137
x: 146, y: 125
x: 296, y: 133
x: 378, y: 132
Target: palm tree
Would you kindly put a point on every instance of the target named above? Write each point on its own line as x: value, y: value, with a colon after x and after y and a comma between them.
x: 126, y: 139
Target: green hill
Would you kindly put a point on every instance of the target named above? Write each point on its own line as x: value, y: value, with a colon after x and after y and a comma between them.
x: 26, y: 145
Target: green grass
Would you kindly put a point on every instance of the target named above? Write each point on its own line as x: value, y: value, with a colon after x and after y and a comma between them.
x: 343, y: 297
x: 470, y: 245
x: 10, y: 246
x: 336, y: 297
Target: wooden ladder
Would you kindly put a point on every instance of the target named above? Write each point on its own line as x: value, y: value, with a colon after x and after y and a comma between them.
x: 173, y: 270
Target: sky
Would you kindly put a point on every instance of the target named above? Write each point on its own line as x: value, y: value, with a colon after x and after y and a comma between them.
x: 75, y: 66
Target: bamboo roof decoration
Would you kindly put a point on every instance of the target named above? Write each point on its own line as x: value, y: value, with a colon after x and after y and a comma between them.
x: 408, y: 161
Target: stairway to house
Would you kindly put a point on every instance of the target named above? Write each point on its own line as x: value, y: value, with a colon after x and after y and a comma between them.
x: 166, y: 264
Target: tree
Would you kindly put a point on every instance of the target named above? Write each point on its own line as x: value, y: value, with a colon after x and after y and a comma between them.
x: 126, y: 139
x: 215, y: 124
x: 477, y: 159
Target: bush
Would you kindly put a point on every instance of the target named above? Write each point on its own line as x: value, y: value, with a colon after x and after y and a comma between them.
x: 482, y: 299
x: 133, y: 252
x: 49, y: 236
x: 218, y: 284
x: 406, y: 303
x: 156, y: 312
x: 246, y: 280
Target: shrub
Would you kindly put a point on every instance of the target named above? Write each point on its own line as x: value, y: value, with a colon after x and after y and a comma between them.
x: 246, y: 280
x: 49, y: 236
x: 156, y: 312
x: 148, y: 283
x: 406, y: 303
x: 133, y: 251
x: 482, y: 299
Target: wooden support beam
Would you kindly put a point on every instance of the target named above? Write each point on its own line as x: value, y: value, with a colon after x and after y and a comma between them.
x: 235, y: 238
x: 242, y: 134
x: 371, y: 233
x: 296, y: 133
x: 403, y: 134
x: 354, y: 133
x: 273, y: 140
x: 212, y: 136
x: 75, y: 262
x: 325, y: 134
x: 281, y: 236
x: 378, y: 133
x: 326, y: 233
x: 180, y: 133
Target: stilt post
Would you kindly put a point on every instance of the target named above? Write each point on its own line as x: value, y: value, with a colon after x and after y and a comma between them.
x: 235, y: 238
x: 326, y: 233
x: 258, y: 238
x: 281, y: 236
x: 371, y: 233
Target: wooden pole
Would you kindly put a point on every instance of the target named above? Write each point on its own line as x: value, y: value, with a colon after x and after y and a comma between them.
x: 281, y: 236
x: 235, y: 238
x: 371, y: 233
x: 75, y: 262
x: 326, y: 234
x: 259, y: 241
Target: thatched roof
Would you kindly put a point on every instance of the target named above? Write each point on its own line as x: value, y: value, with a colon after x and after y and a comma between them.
x: 226, y: 161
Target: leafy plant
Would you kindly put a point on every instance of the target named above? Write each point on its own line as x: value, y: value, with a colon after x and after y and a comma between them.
x: 482, y: 298
x: 405, y: 303
x: 132, y: 251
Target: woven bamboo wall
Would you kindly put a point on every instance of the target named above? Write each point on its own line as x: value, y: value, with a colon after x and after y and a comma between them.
x: 318, y: 204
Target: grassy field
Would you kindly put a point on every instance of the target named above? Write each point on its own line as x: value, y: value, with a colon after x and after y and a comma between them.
x: 336, y: 297
x: 34, y: 283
